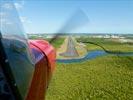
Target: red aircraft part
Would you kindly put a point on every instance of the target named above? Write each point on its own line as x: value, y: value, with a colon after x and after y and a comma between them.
x: 45, y: 56
x: 47, y: 50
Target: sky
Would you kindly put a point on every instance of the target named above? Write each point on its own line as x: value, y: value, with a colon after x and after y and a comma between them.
x: 48, y: 16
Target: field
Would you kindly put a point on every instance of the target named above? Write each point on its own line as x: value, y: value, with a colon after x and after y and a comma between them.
x: 107, y: 44
x: 58, y: 42
x: 104, y: 78
x: 107, y: 77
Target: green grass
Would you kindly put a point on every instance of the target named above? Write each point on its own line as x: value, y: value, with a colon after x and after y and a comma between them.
x: 58, y: 42
x: 103, y: 78
x: 107, y: 44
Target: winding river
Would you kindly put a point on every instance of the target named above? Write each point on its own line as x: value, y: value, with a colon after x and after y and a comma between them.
x: 92, y: 55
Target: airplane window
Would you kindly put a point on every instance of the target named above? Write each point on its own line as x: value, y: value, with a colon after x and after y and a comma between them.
x: 15, y: 45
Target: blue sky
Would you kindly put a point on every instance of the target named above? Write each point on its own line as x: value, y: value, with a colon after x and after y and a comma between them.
x: 48, y: 16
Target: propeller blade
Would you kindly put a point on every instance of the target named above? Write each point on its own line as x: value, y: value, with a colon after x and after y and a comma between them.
x: 78, y: 19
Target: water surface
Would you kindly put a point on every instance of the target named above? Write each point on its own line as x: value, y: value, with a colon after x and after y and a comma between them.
x: 91, y: 55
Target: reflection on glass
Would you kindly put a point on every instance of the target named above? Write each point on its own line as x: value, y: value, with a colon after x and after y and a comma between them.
x: 16, y: 47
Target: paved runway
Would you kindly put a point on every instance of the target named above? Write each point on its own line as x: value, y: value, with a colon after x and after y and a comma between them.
x: 71, y: 50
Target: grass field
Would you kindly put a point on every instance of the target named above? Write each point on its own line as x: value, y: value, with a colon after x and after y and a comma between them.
x: 103, y: 78
x: 108, y: 44
x: 58, y: 42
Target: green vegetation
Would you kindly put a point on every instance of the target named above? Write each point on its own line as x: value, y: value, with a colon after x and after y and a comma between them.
x: 103, y: 78
x: 108, y: 44
x: 58, y: 42
x: 33, y: 37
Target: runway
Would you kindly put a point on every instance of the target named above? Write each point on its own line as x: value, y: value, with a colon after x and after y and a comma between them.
x: 71, y: 50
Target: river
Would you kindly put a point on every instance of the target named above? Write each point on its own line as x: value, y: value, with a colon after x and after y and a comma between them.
x: 91, y: 55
